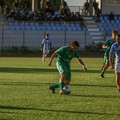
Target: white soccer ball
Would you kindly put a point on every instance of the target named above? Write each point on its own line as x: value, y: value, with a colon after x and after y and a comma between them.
x: 67, y: 90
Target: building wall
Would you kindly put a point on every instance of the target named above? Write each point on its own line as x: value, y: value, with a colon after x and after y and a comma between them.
x: 111, y: 5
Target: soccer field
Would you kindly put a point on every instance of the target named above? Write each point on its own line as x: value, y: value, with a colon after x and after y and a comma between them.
x: 24, y: 93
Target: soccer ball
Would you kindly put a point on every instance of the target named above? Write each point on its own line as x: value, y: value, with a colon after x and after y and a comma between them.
x: 67, y: 90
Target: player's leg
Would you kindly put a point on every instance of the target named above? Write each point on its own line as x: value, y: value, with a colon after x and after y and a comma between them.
x: 118, y: 81
x: 62, y: 68
x: 60, y: 84
x: 45, y: 54
x: 43, y: 57
x: 105, y: 66
x: 62, y: 71
x: 104, y: 69
x: 104, y: 61
x: 66, y: 82
x: 53, y: 87
x: 67, y: 78
x: 117, y: 71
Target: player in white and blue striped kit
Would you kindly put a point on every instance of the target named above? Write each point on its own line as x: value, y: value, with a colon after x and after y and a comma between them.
x: 46, y: 46
x: 115, y: 50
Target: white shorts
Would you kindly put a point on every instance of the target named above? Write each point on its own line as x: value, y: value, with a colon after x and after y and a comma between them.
x: 46, y: 51
x: 117, y: 68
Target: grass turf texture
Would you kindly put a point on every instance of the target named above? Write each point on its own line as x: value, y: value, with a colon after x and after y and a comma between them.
x: 24, y: 93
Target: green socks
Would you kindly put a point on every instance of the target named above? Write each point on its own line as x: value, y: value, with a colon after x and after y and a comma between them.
x: 58, y: 85
x: 102, y: 73
x: 61, y: 85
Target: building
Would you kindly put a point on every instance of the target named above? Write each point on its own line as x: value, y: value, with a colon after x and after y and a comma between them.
x: 106, y: 6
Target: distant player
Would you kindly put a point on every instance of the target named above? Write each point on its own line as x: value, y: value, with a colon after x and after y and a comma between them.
x: 64, y: 56
x: 115, y: 49
x: 46, y: 46
x: 107, y: 45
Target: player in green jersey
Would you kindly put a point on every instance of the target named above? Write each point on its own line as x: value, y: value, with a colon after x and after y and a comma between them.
x: 65, y: 55
x: 107, y: 45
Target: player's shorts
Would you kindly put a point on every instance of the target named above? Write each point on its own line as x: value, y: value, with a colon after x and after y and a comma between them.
x: 63, y: 68
x: 106, y: 59
x: 46, y: 51
x: 106, y: 56
x: 117, y: 68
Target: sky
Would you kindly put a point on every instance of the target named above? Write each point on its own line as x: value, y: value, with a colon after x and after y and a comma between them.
x: 75, y: 2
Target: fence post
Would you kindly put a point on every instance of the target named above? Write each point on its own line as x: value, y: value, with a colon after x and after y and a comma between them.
x: 44, y: 28
x: 24, y: 34
x: 85, y: 35
x: 65, y: 34
x: 2, y: 37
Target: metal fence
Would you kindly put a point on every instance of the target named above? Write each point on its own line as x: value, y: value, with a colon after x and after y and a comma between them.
x: 30, y: 34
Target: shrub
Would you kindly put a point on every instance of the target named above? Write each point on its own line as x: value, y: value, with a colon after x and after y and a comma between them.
x: 94, y: 46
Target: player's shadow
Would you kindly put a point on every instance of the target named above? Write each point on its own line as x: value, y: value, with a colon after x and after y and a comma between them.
x: 41, y: 70
x: 26, y: 70
x: 96, y: 96
x: 26, y: 84
x: 54, y: 110
x: 91, y: 85
x: 6, y: 119
x: 89, y: 71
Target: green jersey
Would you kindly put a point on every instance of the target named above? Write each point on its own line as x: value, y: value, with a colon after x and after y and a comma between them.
x: 65, y: 54
x: 108, y: 43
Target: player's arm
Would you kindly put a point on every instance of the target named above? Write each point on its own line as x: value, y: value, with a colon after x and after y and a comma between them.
x: 55, y: 54
x: 52, y: 57
x: 111, y: 62
x: 106, y: 44
x: 82, y: 63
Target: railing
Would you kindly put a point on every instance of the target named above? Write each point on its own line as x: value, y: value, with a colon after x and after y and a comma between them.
x: 79, y: 9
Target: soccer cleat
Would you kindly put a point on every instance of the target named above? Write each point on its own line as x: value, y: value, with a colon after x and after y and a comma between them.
x: 53, y: 90
x: 102, y: 76
x: 118, y: 91
x: 61, y: 92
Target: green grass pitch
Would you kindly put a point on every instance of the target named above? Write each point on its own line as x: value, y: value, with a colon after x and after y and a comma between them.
x: 24, y: 93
